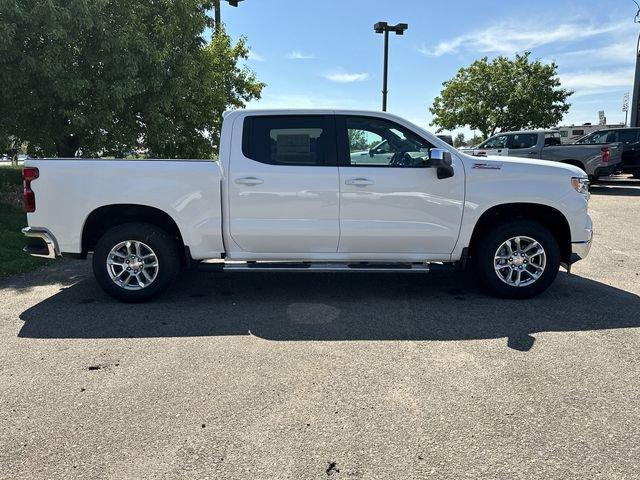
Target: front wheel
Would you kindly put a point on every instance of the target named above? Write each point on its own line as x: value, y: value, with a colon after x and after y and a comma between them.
x: 134, y: 262
x: 517, y: 260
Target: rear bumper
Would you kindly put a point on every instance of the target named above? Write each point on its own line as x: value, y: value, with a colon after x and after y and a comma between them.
x: 46, y: 247
x: 608, y: 170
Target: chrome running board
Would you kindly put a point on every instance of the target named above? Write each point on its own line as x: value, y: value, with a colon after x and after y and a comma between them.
x: 326, y: 267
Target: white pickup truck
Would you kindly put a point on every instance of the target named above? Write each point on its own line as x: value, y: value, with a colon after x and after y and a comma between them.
x: 288, y: 195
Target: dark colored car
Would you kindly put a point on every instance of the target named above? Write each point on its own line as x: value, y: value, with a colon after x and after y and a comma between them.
x: 446, y: 138
x: 630, y: 140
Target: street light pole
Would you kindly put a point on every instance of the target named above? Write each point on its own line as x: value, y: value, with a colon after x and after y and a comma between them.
x: 384, y: 27
x: 217, y: 21
x: 636, y: 82
x: 385, y: 90
x: 216, y: 9
x: 636, y: 89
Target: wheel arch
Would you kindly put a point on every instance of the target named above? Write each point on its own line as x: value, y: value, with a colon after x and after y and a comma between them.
x: 103, y: 218
x: 550, y: 217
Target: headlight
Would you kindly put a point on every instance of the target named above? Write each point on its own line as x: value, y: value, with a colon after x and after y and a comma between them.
x: 580, y: 185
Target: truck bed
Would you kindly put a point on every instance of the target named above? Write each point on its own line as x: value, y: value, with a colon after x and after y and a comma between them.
x: 189, y: 191
x: 590, y: 156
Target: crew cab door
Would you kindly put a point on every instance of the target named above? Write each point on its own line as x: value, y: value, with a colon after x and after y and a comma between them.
x: 283, y: 185
x: 397, y: 206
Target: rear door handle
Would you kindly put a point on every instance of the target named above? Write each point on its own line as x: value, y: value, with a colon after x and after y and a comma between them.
x: 249, y: 181
x: 359, y: 182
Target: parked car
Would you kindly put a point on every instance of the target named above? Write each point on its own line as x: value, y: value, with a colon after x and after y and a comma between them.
x: 569, y: 134
x: 286, y: 195
x: 446, y: 138
x: 630, y: 140
x: 379, y: 154
x: 596, y: 160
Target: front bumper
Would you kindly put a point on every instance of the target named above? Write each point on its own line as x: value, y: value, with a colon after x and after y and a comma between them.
x: 46, y: 245
x: 580, y: 250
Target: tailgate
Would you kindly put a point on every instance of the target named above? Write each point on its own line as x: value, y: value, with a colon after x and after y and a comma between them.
x: 616, y: 150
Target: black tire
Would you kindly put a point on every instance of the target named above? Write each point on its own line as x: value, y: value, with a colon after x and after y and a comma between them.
x: 162, y: 244
x: 485, y: 249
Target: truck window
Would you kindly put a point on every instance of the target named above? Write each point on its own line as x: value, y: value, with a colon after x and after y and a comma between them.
x: 355, y: 143
x: 629, y: 135
x: 376, y: 142
x: 596, y: 138
x: 496, y: 142
x: 552, y: 139
x: 523, y: 140
x: 289, y: 140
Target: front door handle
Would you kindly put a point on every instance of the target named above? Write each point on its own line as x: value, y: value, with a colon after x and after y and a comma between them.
x: 359, y: 182
x: 249, y: 181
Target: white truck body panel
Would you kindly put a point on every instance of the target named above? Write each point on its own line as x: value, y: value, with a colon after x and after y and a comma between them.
x: 518, y: 182
x: 188, y: 191
x: 246, y: 210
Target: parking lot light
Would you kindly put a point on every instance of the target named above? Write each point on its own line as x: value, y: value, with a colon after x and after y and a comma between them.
x: 385, y: 28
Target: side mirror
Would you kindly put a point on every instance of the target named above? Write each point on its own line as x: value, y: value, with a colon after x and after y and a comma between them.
x: 371, y: 152
x: 440, y: 159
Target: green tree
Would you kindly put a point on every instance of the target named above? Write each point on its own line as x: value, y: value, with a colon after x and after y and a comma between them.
x: 502, y: 95
x: 459, y: 141
x: 107, y: 77
x: 475, y: 140
x: 357, y: 140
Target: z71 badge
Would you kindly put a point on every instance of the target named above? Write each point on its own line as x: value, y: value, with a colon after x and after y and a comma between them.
x: 488, y: 166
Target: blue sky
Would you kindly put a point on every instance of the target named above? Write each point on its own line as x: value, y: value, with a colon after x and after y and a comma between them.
x: 324, y: 53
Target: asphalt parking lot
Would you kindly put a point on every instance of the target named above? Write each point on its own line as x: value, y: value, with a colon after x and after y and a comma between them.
x: 311, y: 376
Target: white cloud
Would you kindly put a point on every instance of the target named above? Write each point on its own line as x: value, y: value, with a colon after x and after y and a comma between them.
x: 507, y: 38
x: 298, y: 55
x: 585, y: 83
x: 255, y: 56
x: 620, y: 52
x: 346, y: 77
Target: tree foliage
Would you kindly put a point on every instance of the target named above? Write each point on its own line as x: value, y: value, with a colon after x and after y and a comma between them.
x: 357, y: 140
x: 502, y: 94
x: 105, y: 77
x: 459, y: 140
x: 475, y: 140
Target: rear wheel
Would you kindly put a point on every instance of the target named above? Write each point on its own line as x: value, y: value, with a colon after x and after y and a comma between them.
x: 134, y: 262
x: 517, y: 260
